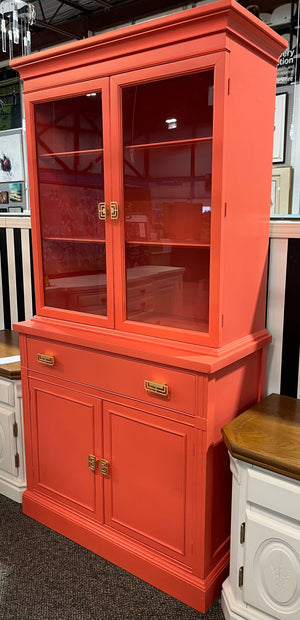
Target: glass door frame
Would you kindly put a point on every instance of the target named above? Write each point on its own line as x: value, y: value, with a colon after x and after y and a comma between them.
x: 219, y: 62
x: 48, y: 95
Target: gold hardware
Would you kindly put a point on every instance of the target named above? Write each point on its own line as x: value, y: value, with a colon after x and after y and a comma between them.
x: 45, y: 359
x: 241, y: 576
x: 92, y: 462
x: 15, y: 429
x: 242, y: 533
x: 17, y: 460
x: 104, y: 467
x: 156, y: 388
x: 102, y: 211
x: 114, y: 210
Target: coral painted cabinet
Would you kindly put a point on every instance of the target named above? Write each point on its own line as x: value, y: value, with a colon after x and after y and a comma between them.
x: 150, y: 161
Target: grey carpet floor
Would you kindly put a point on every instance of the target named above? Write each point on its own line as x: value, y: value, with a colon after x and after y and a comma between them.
x: 44, y: 576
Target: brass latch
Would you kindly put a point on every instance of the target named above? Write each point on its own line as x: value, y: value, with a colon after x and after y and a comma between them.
x: 92, y: 462
x: 160, y: 389
x: 17, y: 460
x: 242, y: 533
x: 104, y: 467
x: 241, y: 576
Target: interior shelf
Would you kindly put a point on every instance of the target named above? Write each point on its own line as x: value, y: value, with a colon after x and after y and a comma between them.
x: 150, y: 145
x: 74, y: 240
x: 170, y: 243
x: 71, y: 153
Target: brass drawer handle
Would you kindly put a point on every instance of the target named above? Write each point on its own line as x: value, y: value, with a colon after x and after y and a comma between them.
x: 156, y: 388
x: 45, y: 359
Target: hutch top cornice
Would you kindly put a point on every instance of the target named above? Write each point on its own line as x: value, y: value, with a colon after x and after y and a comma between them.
x: 216, y: 22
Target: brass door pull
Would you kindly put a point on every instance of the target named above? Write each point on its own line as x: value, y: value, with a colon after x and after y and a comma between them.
x: 92, y: 462
x: 114, y: 210
x: 156, y: 388
x: 103, y: 211
x: 49, y: 360
x: 104, y: 467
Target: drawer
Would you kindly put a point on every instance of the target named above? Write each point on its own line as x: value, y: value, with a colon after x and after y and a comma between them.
x: 7, y: 392
x: 176, y: 389
x: 273, y: 492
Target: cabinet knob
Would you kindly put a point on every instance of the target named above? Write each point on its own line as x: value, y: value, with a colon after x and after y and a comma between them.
x: 49, y: 360
x: 156, y: 388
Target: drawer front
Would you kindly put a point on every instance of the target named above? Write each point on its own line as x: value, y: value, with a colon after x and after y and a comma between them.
x: 273, y: 492
x: 7, y: 392
x: 151, y: 383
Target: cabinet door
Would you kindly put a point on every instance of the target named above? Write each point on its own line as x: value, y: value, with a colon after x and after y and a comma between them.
x: 70, y: 146
x: 66, y: 429
x: 149, y: 488
x: 169, y: 134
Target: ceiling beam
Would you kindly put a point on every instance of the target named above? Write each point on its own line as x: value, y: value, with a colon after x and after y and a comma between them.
x: 61, y: 31
x: 107, y: 5
x: 74, y: 5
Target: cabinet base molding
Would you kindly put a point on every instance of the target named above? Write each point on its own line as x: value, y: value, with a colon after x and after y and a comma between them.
x: 12, y: 490
x: 232, y: 610
x: 159, y: 571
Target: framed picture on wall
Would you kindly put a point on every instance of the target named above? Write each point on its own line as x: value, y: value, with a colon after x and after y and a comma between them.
x: 279, y: 128
x: 11, y: 157
x: 3, y: 197
x: 281, y: 190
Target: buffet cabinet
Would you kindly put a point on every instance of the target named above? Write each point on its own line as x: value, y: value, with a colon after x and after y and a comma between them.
x: 150, y: 199
x: 264, y: 449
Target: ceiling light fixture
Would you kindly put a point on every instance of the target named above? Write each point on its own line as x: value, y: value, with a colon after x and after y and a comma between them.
x: 16, y: 18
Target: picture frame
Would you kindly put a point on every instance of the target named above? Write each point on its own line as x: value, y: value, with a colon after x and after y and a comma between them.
x: 11, y: 157
x: 281, y: 190
x: 279, y: 128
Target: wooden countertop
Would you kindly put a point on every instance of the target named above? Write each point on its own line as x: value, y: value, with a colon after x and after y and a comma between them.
x: 9, y: 347
x: 268, y: 435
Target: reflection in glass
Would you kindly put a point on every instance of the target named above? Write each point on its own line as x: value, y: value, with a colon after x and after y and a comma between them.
x: 71, y: 184
x: 158, y: 111
x: 168, y: 285
x: 167, y: 191
x: 75, y: 276
x: 68, y: 125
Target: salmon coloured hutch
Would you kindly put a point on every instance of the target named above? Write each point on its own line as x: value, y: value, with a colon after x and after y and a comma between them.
x: 150, y: 158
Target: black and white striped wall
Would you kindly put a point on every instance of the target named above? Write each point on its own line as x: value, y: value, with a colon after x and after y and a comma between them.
x: 16, y: 274
x: 283, y: 303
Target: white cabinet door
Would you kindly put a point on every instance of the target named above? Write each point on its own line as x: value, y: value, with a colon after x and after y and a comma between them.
x: 7, y: 442
x: 272, y: 564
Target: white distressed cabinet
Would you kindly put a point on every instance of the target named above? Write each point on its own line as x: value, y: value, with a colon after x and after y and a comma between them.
x: 264, y: 447
x: 12, y: 465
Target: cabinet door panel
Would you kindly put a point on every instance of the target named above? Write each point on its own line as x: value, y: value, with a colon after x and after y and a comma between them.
x: 66, y: 430
x: 148, y: 490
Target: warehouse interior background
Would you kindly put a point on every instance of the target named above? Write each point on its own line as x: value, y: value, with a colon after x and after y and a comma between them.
x: 62, y: 21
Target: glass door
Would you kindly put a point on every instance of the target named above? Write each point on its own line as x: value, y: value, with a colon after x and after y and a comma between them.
x: 167, y: 141
x: 72, y: 211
